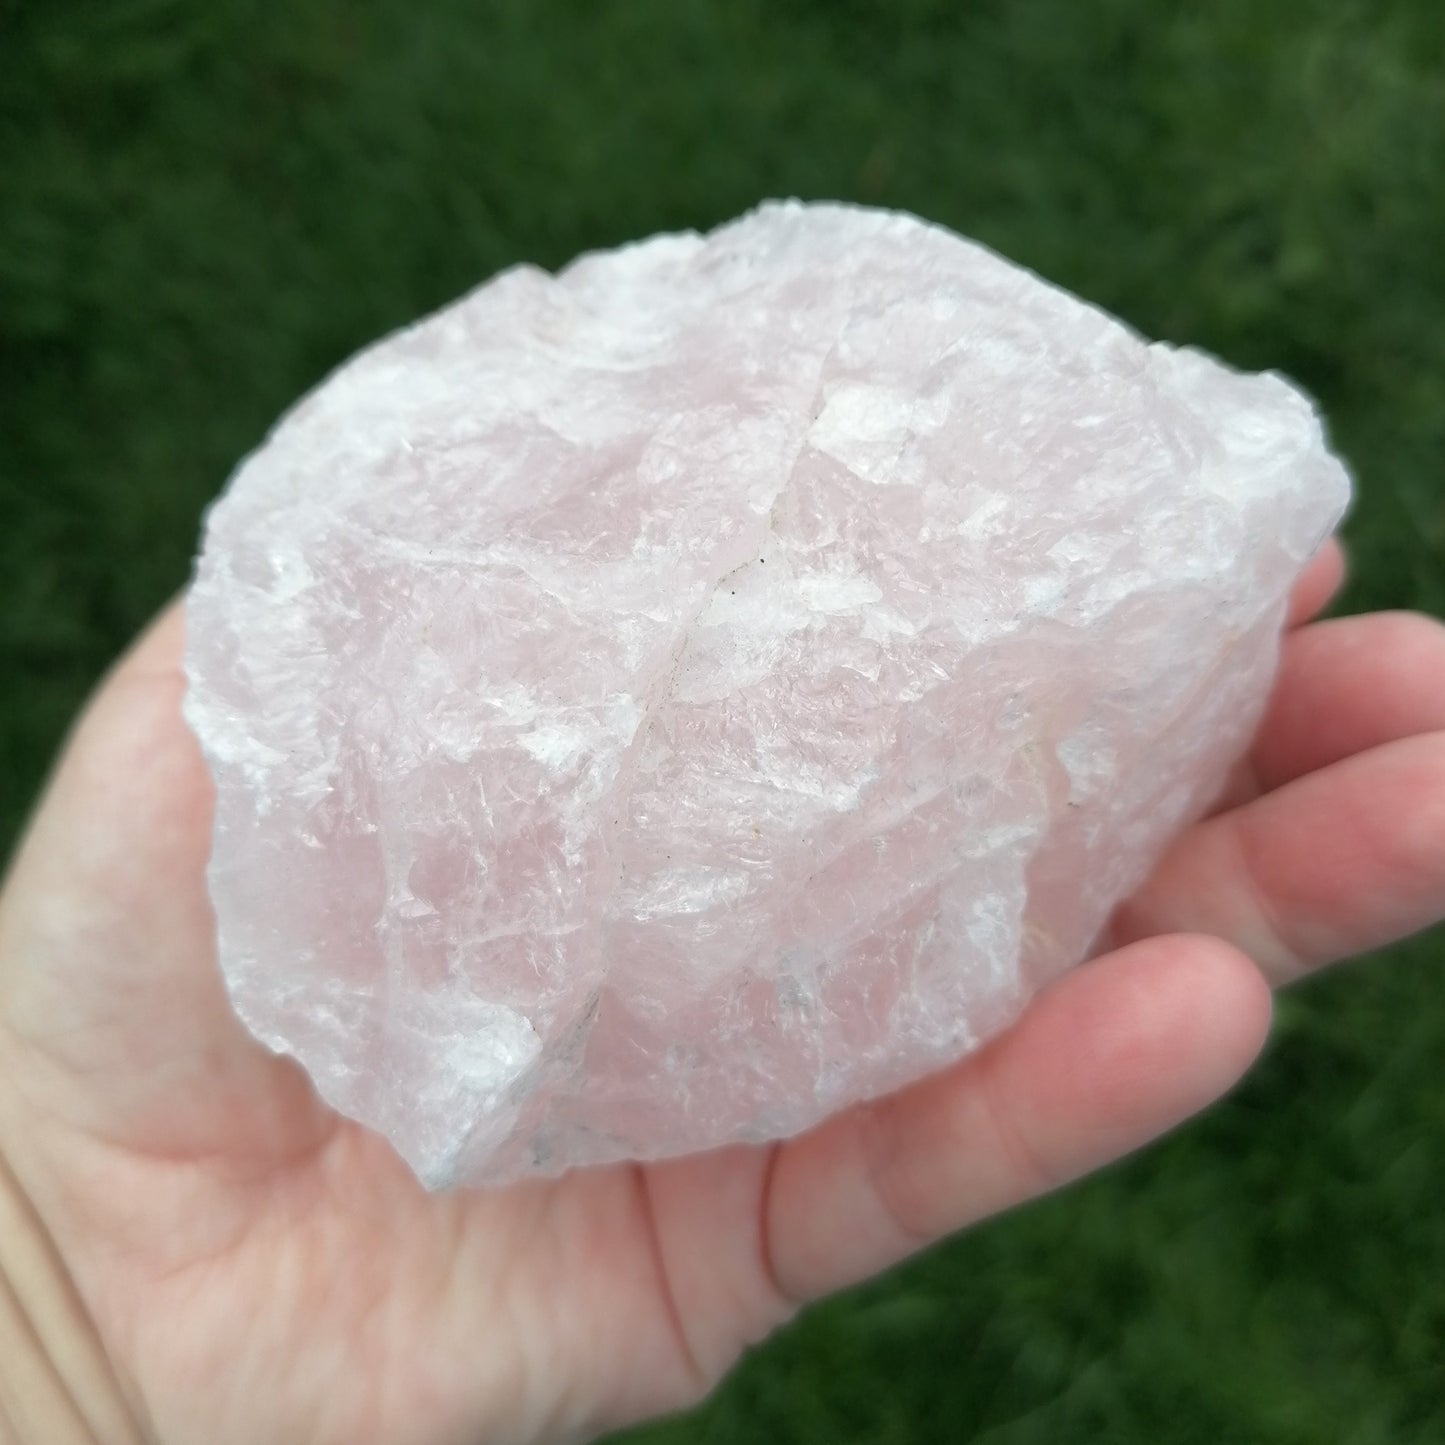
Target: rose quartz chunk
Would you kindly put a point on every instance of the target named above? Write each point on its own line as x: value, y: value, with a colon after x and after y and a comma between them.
x: 660, y: 704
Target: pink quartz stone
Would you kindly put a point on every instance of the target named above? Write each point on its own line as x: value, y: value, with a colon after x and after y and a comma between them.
x: 660, y: 704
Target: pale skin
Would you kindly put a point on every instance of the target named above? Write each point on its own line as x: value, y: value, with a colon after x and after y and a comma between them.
x: 258, y: 1269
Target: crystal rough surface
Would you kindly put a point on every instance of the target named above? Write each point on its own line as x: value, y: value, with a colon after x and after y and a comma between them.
x: 659, y: 704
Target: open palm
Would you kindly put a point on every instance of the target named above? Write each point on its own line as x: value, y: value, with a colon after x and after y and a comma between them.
x: 260, y: 1269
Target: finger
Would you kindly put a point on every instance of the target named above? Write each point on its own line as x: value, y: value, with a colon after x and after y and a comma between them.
x: 1111, y: 1056
x: 1329, y: 866
x: 1312, y: 593
x: 1318, y: 583
x: 108, y: 974
x: 1349, y: 685
x: 159, y: 649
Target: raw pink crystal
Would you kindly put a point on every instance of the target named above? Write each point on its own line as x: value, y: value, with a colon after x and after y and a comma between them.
x: 660, y: 704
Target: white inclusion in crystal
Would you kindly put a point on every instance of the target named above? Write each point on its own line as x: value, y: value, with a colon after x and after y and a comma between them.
x: 655, y: 705
x: 689, y: 890
x: 836, y: 592
x: 555, y: 745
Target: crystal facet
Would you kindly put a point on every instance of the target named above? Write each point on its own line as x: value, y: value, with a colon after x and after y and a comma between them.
x: 657, y: 705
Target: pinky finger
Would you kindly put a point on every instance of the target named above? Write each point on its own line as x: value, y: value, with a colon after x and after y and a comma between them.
x: 1108, y: 1058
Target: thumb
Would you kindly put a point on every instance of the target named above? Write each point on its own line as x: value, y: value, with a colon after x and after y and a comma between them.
x: 112, y: 1007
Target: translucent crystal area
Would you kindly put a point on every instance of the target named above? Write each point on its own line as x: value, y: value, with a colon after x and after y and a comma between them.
x: 659, y: 704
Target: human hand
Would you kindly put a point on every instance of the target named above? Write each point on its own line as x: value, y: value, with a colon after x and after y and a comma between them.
x: 256, y: 1268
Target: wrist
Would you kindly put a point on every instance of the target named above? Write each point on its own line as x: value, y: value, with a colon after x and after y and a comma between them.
x: 57, y: 1384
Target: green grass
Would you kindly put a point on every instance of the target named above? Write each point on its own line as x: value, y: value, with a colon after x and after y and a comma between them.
x: 205, y: 206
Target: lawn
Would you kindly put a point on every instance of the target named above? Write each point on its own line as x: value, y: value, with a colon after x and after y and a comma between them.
x: 205, y: 206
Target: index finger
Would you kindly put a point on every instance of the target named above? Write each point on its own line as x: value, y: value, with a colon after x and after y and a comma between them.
x: 1318, y: 583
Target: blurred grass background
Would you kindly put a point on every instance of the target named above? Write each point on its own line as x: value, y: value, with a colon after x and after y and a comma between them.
x: 205, y: 206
